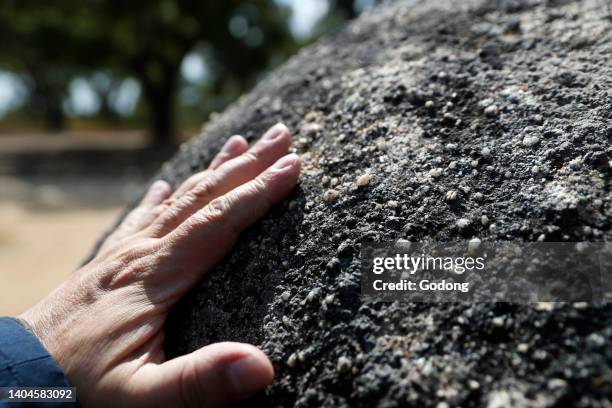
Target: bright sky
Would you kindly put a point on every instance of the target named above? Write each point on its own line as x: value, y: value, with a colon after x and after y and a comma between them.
x: 305, y: 14
x: 83, y: 100
x: 12, y: 92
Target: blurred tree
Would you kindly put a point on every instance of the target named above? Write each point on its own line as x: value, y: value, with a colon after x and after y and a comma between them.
x: 52, y: 42
x: 44, y: 42
x: 339, y: 12
x: 106, y: 85
x: 345, y: 7
x: 149, y: 40
x: 107, y: 41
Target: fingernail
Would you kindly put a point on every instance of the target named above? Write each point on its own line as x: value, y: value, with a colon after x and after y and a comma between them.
x: 158, y: 186
x: 232, y: 145
x: 246, y: 375
x: 275, y: 132
x: 286, y: 162
x: 157, y: 192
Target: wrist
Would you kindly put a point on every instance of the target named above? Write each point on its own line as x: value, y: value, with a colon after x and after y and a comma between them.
x: 29, y: 321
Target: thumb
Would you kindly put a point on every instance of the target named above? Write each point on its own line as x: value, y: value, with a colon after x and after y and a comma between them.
x: 213, y: 376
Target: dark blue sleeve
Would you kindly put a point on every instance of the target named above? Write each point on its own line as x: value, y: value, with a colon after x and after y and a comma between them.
x: 24, y: 362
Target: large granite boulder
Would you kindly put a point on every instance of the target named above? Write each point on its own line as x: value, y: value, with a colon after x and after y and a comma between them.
x: 505, y: 103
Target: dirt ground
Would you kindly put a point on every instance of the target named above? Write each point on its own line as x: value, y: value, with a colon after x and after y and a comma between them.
x: 40, y: 247
x: 58, y: 194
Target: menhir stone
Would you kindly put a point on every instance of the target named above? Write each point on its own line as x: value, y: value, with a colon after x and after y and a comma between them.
x: 506, y: 104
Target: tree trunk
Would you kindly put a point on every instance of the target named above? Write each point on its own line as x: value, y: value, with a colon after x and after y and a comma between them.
x: 162, y: 120
x: 106, y: 109
x: 160, y: 100
x: 55, y: 120
x: 347, y: 7
x: 46, y: 101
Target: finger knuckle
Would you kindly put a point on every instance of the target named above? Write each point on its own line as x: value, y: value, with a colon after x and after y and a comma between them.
x: 158, y: 210
x: 251, y: 157
x: 203, y: 190
x: 129, y: 265
x: 162, y: 214
x: 261, y: 187
x: 258, y: 186
x: 217, y: 209
x: 218, y: 212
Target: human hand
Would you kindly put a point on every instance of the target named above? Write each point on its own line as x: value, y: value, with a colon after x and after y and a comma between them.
x: 105, y: 325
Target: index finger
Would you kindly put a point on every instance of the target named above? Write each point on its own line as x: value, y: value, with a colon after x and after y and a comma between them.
x: 216, y: 226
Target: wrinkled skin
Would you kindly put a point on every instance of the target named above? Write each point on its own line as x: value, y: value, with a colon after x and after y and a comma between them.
x: 105, y: 325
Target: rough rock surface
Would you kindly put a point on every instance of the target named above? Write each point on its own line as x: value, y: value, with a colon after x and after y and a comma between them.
x: 505, y: 103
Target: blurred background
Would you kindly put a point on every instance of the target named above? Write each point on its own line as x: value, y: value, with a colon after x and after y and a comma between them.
x: 95, y: 94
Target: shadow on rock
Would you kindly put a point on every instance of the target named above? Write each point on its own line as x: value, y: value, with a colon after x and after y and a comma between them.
x: 232, y: 300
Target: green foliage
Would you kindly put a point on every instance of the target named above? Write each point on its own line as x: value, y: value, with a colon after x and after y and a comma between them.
x: 38, y: 42
x: 52, y: 42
